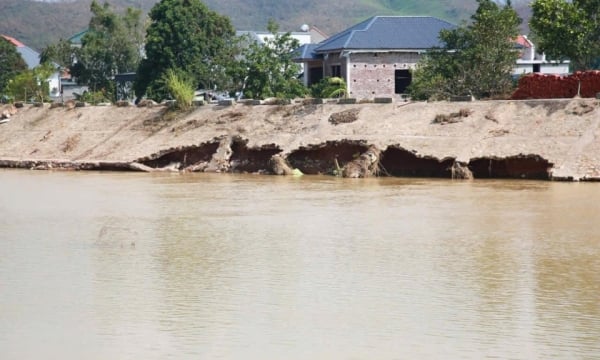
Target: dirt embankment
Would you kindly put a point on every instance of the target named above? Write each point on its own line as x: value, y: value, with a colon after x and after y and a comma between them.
x: 541, y: 139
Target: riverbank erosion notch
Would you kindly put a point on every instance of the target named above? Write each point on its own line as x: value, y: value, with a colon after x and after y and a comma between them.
x: 512, y: 167
x: 327, y: 157
x: 397, y: 161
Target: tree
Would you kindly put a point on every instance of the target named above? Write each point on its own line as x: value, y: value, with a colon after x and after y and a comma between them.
x: 568, y: 30
x: 476, y: 59
x: 11, y: 62
x: 63, y: 53
x: 270, y: 69
x: 188, y: 38
x: 31, y: 83
x: 111, y: 46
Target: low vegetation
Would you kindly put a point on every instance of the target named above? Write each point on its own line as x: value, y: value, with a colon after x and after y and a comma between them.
x: 180, y: 89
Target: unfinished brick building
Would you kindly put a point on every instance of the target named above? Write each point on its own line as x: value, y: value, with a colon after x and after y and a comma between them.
x: 375, y: 56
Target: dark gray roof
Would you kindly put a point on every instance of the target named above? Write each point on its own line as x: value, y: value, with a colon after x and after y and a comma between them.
x: 389, y: 32
x: 306, y: 52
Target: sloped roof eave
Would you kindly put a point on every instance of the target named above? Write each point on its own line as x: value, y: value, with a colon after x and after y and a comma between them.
x: 377, y: 50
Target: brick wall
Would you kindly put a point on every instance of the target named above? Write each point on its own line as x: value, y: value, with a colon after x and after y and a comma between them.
x: 373, y: 74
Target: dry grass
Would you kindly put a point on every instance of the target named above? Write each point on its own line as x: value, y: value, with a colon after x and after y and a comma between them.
x: 451, y: 118
x: 70, y: 143
x: 581, y: 108
x: 343, y: 117
x: 551, y: 106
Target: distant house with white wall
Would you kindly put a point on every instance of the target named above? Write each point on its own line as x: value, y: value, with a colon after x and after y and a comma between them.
x: 32, y: 59
x: 307, y: 35
x: 530, y: 61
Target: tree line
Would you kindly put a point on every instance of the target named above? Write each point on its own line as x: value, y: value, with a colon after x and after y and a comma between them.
x: 184, y: 45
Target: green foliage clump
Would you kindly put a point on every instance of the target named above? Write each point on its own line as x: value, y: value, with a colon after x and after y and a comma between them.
x: 94, y: 97
x: 185, y: 34
x: 476, y: 59
x: 568, y: 30
x: 180, y: 89
x: 31, y: 84
x: 329, y: 87
x: 271, y: 71
x: 61, y: 53
x: 11, y: 62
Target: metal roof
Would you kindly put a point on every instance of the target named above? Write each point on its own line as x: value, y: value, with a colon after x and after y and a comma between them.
x: 306, y: 52
x: 76, y: 39
x: 389, y: 33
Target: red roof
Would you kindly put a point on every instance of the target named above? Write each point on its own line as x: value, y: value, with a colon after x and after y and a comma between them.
x: 522, y: 40
x: 13, y: 41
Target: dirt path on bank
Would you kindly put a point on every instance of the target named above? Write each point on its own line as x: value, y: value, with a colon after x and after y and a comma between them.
x: 564, y: 133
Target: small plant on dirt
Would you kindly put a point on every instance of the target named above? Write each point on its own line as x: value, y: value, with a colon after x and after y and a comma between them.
x: 181, y: 90
x: 452, y: 117
x: 94, y: 97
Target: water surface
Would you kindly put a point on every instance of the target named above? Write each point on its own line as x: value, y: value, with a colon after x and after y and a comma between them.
x: 169, y: 266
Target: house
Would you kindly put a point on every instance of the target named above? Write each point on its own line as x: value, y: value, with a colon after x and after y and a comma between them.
x: 32, y: 59
x: 530, y: 61
x: 375, y: 56
x: 307, y: 35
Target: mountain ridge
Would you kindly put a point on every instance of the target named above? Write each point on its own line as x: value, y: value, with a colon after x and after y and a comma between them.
x: 38, y: 23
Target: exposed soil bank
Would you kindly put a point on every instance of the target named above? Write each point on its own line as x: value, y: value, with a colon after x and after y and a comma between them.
x: 549, y: 139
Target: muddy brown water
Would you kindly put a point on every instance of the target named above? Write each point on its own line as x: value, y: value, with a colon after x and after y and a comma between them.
x: 169, y: 266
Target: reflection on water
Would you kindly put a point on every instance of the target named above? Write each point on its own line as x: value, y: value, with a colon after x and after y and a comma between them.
x: 132, y: 266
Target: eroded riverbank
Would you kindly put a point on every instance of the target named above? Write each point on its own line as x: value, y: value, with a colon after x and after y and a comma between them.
x: 542, y: 139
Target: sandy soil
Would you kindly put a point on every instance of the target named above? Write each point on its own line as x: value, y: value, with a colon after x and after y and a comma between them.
x: 564, y: 132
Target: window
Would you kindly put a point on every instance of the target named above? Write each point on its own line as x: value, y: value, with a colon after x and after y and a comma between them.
x: 336, y: 70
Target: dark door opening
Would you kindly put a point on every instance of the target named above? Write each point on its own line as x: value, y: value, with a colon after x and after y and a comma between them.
x: 402, y: 79
x: 315, y: 75
x: 536, y: 68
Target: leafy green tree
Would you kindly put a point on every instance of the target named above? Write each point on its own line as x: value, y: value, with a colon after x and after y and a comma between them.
x: 270, y: 69
x: 568, y: 30
x: 111, y: 46
x: 476, y: 59
x: 63, y: 53
x: 185, y: 36
x: 30, y: 84
x: 11, y: 62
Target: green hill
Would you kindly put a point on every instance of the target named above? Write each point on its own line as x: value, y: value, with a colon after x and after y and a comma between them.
x: 39, y: 23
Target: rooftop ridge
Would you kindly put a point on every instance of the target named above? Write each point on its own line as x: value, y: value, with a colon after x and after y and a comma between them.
x: 12, y: 40
x: 369, y: 24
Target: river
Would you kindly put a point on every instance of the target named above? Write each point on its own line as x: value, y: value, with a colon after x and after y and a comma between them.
x: 180, y: 266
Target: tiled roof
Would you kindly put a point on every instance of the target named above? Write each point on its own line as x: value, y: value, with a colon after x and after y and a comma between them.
x: 12, y: 40
x: 30, y: 56
x: 306, y: 52
x: 389, y: 32
x: 522, y: 41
